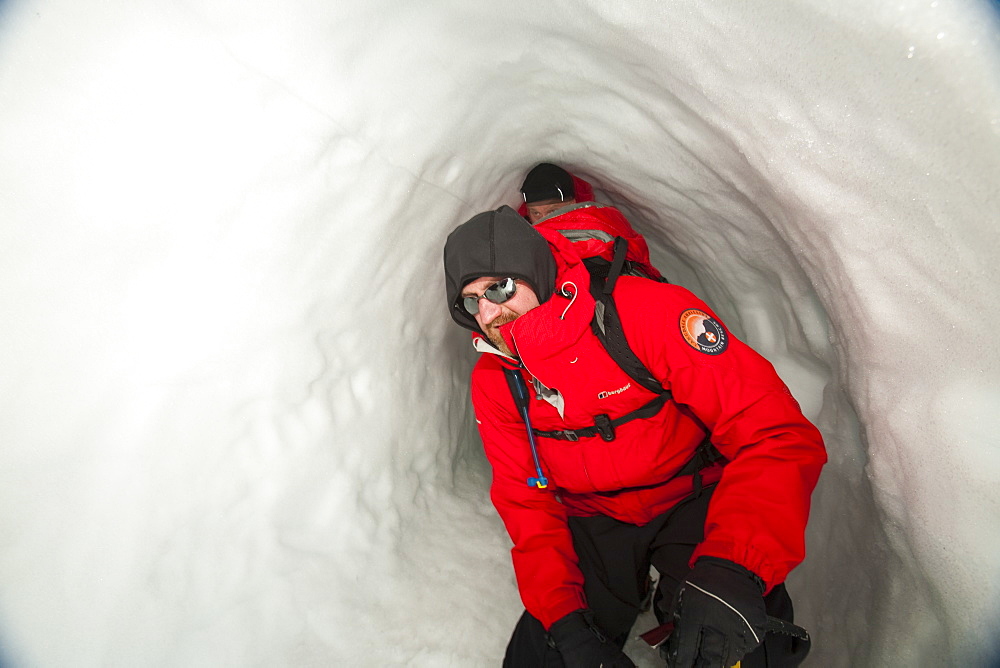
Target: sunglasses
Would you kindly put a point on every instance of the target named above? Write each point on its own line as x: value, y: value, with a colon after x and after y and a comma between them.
x: 497, y: 293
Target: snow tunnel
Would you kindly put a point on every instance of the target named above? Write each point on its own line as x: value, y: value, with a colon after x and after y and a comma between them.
x: 236, y: 428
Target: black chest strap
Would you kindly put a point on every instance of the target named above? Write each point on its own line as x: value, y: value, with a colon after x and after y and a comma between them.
x: 604, y: 426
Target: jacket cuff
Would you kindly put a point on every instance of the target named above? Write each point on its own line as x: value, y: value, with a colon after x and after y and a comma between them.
x: 746, y: 556
x: 554, y: 613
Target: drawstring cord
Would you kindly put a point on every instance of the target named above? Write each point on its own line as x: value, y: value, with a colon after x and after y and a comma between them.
x: 562, y: 291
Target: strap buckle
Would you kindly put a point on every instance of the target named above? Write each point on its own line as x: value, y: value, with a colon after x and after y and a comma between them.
x: 569, y: 435
x: 604, y: 427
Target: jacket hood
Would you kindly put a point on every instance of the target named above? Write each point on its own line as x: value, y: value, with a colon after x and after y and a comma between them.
x: 495, y: 243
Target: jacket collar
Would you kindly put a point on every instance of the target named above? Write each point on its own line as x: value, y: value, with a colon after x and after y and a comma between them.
x: 546, y: 331
x: 482, y: 345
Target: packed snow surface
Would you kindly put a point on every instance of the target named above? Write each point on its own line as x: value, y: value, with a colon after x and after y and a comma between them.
x: 235, y: 427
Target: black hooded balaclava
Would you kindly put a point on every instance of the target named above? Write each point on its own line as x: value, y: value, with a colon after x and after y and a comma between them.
x: 547, y: 181
x: 495, y: 243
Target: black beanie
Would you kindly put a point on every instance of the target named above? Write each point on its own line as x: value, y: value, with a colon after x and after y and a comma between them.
x: 547, y: 181
x: 496, y: 243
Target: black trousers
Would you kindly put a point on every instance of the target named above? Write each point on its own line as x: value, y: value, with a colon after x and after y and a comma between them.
x: 615, y: 557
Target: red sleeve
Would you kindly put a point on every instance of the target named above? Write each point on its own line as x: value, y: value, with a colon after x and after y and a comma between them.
x: 545, y: 563
x: 758, y: 513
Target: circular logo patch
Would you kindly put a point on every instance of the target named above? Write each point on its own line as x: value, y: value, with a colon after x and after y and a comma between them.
x: 703, y: 332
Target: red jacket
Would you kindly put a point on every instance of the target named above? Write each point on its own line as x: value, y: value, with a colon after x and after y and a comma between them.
x: 758, y: 513
x: 593, y: 218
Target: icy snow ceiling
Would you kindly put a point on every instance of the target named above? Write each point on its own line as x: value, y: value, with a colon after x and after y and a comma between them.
x: 235, y: 421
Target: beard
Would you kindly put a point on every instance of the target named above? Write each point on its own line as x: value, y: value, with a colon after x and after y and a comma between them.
x: 493, y: 334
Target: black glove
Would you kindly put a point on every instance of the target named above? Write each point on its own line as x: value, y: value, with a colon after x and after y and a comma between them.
x: 583, y: 645
x: 719, y: 616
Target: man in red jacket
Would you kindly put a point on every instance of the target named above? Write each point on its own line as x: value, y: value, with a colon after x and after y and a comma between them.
x: 558, y: 200
x: 589, y: 515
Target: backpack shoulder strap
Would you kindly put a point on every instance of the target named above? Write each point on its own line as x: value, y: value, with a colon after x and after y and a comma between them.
x: 607, y: 325
x: 619, y: 251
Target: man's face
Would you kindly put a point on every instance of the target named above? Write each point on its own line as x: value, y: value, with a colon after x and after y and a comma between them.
x: 538, y: 210
x: 491, y: 316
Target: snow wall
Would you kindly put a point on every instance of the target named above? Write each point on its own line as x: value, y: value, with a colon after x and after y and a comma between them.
x: 235, y: 423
